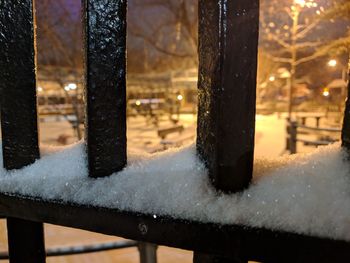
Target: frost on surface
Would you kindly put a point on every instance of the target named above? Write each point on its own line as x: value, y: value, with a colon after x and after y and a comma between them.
x: 307, y: 194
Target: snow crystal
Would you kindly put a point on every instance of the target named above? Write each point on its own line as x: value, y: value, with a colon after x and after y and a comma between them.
x: 307, y: 193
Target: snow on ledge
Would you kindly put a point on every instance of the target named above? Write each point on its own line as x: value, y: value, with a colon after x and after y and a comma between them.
x: 307, y: 194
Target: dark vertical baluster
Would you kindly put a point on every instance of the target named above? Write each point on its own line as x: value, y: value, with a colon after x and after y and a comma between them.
x: 228, y: 41
x: 105, y: 60
x: 148, y: 252
x: 19, y: 116
x: 26, y: 241
x: 345, y: 133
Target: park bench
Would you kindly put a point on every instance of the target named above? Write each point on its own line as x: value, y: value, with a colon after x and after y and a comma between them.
x: 228, y: 40
x: 164, y: 132
x: 317, y: 117
x: 294, y: 129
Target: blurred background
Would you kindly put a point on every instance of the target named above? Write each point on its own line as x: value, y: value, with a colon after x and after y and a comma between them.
x: 302, y: 77
x: 302, y: 74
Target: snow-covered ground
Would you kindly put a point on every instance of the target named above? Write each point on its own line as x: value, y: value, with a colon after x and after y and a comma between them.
x: 270, y: 133
x: 142, y: 135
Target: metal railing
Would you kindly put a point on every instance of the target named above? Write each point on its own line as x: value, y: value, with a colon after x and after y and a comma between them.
x: 228, y: 41
x: 294, y: 128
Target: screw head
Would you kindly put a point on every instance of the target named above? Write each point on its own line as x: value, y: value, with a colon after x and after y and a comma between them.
x: 143, y: 228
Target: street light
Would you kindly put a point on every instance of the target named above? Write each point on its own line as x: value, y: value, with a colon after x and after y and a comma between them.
x: 303, y: 3
x: 70, y: 86
x: 325, y: 92
x: 300, y: 2
x: 332, y: 63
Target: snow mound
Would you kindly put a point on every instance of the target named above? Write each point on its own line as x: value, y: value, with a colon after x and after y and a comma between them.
x: 307, y: 194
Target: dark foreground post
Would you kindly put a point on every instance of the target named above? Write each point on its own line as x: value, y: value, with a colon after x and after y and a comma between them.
x: 26, y: 241
x: 148, y: 252
x: 345, y: 133
x: 228, y: 42
x: 105, y: 69
x: 292, y: 131
x: 19, y: 116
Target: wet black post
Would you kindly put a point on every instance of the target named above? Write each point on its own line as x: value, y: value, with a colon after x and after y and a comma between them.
x: 19, y: 116
x: 345, y: 133
x: 148, y: 252
x: 292, y: 131
x: 105, y: 69
x: 26, y: 241
x: 228, y: 43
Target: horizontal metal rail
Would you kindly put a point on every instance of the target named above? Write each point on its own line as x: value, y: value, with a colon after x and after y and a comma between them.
x: 294, y: 129
x: 256, y: 244
x: 82, y: 249
x: 316, y: 143
x: 318, y: 129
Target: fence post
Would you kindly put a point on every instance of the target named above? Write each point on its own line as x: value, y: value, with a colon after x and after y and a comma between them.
x: 345, y: 133
x: 228, y: 44
x: 148, y: 252
x: 19, y: 117
x: 292, y: 131
x: 105, y: 69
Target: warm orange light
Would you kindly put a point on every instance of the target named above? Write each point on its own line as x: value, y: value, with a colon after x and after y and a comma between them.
x: 325, y: 92
x: 180, y: 97
x: 332, y: 63
x: 72, y: 86
x: 300, y: 2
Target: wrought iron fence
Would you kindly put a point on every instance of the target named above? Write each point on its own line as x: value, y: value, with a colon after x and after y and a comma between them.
x: 228, y: 40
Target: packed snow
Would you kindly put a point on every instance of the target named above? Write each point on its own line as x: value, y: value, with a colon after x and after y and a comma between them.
x: 307, y: 193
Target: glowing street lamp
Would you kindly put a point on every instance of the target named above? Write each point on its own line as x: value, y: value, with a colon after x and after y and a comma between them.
x: 272, y: 78
x: 303, y: 3
x: 325, y: 92
x: 332, y: 63
x: 300, y: 2
x: 180, y: 97
x: 72, y: 86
